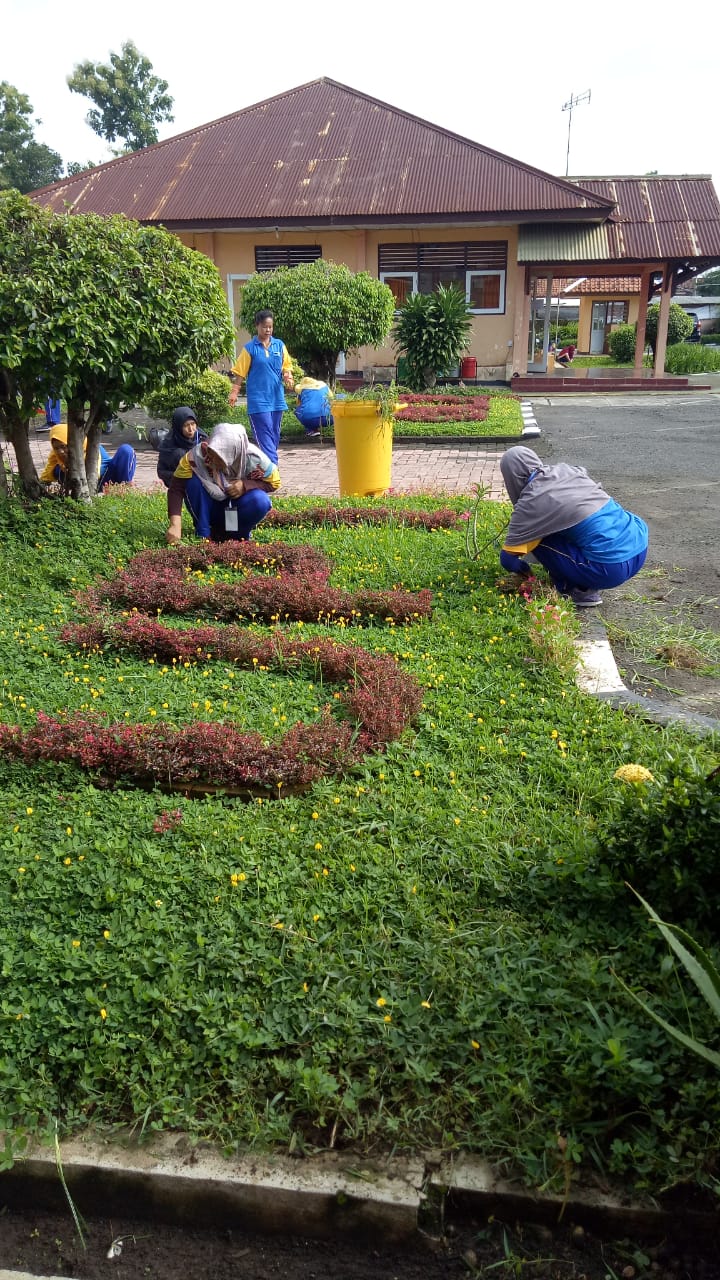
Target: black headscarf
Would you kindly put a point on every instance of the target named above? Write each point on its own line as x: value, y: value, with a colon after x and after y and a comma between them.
x: 175, y: 444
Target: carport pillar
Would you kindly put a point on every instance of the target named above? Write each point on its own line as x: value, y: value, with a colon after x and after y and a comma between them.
x: 521, y: 322
x: 645, y: 287
x: 662, y: 328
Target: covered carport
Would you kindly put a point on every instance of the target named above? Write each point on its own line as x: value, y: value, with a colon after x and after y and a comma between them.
x: 665, y: 230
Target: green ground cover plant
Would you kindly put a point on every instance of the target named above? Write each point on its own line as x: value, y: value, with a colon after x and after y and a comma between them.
x: 419, y: 952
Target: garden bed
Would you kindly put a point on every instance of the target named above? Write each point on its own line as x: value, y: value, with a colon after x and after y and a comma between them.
x: 418, y: 951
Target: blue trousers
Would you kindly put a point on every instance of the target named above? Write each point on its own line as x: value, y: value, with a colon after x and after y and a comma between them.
x: 266, y: 430
x: 52, y: 412
x: 209, y: 514
x: 120, y: 468
x: 569, y: 568
x: 313, y: 421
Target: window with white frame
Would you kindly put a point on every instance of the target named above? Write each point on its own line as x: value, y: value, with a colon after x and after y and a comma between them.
x: 479, y: 267
x: 401, y: 284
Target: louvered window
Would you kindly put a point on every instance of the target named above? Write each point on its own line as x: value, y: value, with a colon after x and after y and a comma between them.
x: 270, y: 256
x: 477, y: 266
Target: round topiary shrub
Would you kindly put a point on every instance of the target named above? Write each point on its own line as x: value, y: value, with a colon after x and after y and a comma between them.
x: 206, y: 393
x: 622, y: 343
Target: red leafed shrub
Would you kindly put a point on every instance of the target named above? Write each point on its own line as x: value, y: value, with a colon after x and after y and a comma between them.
x: 337, y: 516
x: 161, y: 581
x: 444, y: 408
x: 375, y: 706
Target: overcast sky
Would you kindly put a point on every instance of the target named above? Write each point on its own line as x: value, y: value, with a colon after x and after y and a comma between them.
x: 498, y: 74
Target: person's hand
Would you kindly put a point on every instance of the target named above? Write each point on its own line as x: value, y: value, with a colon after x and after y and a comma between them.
x: 289, y: 381
x: 232, y: 398
x: 235, y: 488
x: 256, y: 474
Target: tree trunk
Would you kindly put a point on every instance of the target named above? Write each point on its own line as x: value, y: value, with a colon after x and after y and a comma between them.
x: 429, y: 377
x: 78, y: 487
x: 18, y: 433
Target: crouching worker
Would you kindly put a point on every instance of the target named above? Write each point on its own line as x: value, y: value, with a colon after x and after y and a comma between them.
x: 225, y: 483
x: 313, y: 406
x: 183, y: 434
x: 584, y: 539
x: 118, y: 469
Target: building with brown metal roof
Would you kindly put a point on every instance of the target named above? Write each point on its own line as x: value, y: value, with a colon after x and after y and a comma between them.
x: 326, y: 171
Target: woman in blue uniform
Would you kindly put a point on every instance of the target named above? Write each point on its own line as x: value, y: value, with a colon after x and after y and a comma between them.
x: 584, y: 539
x: 265, y: 365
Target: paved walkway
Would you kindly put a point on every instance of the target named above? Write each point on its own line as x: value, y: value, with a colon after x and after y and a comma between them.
x: 311, y: 470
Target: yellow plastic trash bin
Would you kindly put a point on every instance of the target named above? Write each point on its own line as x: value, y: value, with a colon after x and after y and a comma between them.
x: 363, y: 448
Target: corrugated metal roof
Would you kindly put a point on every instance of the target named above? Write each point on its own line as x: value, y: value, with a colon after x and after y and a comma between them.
x: 543, y: 243
x: 661, y: 217
x: 321, y: 152
x: 655, y: 220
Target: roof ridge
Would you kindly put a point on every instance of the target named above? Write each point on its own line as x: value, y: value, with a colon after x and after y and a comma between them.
x: 198, y: 130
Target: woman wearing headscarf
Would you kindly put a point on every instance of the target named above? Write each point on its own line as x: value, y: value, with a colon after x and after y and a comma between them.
x: 118, y: 469
x: 183, y: 434
x: 584, y: 539
x: 226, y: 483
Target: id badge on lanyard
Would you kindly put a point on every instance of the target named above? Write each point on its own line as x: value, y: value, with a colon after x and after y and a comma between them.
x: 231, y: 520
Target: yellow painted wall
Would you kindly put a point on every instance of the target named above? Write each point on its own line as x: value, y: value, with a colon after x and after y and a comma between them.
x: 585, y: 317
x: 233, y: 252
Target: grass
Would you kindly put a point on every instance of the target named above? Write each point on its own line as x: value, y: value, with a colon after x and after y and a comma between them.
x: 415, y: 954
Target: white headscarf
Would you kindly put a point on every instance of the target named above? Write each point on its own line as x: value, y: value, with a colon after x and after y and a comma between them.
x: 230, y: 442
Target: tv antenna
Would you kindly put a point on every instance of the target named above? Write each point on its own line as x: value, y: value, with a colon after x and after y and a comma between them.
x: 574, y: 101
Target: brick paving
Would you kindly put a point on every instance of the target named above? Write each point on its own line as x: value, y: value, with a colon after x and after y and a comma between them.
x: 310, y: 469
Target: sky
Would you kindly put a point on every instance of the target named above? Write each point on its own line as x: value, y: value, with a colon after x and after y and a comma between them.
x: 498, y: 75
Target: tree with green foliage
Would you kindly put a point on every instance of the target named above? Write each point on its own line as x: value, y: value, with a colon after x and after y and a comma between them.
x: 97, y: 311
x: 680, y: 325
x: 320, y: 309
x: 431, y: 331
x: 130, y: 102
x: 708, y: 285
x: 24, y: 163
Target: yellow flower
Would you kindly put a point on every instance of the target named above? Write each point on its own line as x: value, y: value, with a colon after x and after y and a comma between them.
x: 381, y: 1002
x: 68, y: 831
x: 67, y: 861
x: 475, y: 1044
x: 318, y: 846
x: 21, y: 870
x: 425, y: 1004
x: 28, y: 810
x: 633, y: 773
x: 316, y: 917
x: 103, y: 1014
x: 76, y: 942
x: 106, y: 933
x: 387, y: 1018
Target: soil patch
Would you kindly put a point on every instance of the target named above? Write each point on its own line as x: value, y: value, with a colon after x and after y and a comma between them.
x: 47, y: 1244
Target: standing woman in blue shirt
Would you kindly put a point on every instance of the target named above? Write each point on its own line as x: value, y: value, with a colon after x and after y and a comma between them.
x: 266, y: 366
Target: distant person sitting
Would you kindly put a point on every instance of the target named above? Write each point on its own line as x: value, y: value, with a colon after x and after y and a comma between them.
x: 566, y: 356
x: 118, y: 469
x: 313, y: 406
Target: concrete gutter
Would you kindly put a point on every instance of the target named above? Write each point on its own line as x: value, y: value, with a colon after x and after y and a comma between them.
x: 328, y: 1195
